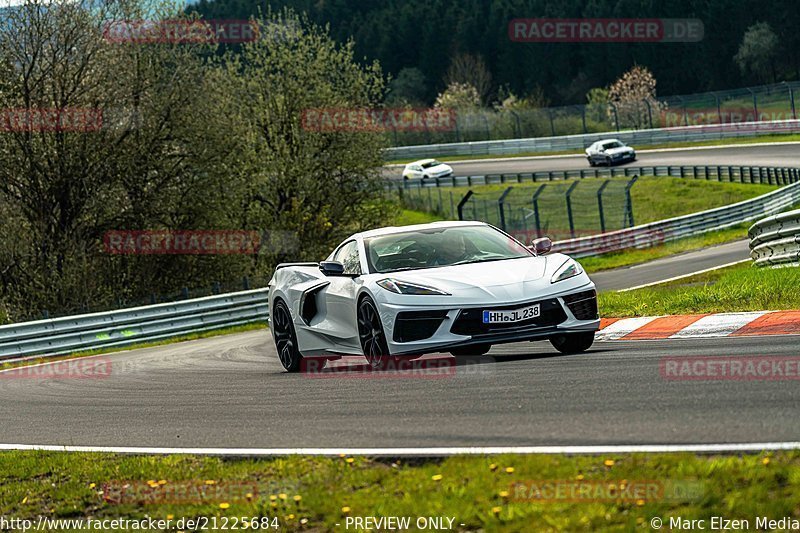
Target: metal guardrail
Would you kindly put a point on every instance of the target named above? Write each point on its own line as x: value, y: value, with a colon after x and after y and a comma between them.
x: 671, y: 229
x: 741, y: 174
x: 136, y: 325
x: 775, y: 241
x: 636, y: 138
x: 124, y: 327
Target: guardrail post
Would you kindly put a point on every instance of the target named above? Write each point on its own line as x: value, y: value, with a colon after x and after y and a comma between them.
x: 215, y: 288
x: 535, y: 200
x: 501, y: 207
x: 616, y: 116
x: 185, y: 293
x: 628, y: 202
x: 569, y: 208
x: 153, y: 300
x: 600, y: 205
x: 463, y: 202
x: 246, y: 283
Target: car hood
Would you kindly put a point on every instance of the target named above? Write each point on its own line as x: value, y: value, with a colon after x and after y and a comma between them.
x: 621, y: 150
x: 439, y: 168
x: 501, y: 281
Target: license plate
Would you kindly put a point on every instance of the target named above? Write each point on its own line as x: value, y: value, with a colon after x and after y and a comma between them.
x: 516, y: 315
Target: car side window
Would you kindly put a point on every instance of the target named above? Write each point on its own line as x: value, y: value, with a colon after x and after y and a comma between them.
x: 348, y: 256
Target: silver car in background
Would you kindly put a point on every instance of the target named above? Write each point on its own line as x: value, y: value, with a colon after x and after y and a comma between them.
x: 608, y: 152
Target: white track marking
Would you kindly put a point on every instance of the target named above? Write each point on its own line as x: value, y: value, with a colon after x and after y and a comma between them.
x: 676, y: 278
x: 620, y: 328
x: 434, y: 452
x: 719, y: 325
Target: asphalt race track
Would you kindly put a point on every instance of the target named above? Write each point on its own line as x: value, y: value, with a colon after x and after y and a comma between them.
x: 671, y: 266
x: 231, y: 392
x: 753, y: 154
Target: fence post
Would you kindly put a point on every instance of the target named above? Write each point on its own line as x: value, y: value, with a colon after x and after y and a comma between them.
x: 600, y: 205
x: 628, y: 202
x: 616, y: 116
x: 535, y: 200
x: 246, y: 283
x: 461, y: 204
x: 501, y: 206
x: 569, y: 208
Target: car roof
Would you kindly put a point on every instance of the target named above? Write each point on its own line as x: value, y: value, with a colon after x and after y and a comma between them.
x: 422, y: 161
x: 607, y: 141
x: 401, y: 229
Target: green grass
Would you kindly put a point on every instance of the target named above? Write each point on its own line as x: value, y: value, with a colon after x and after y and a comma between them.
x: 477, y: 491
x: 737, y: 288
x: 791, y: 137
x: 407, y: 217
x: 163, y: 342
x: 643, y: 255
x: 653, y: 199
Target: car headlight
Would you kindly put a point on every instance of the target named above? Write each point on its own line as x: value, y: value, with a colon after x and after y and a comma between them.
x: 403, y: 287
x: 569, y: 269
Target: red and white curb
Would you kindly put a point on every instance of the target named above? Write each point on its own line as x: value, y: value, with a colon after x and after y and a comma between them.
x: 700, y: 325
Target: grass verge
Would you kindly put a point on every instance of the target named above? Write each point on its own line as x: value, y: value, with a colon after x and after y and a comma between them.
x: 737, y: 288
x: 173, y: 340
x: 724, y: 142
x: 478, y: 492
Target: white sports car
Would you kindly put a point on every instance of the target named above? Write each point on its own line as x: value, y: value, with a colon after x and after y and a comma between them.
x: 427, y: 168
x: 456, y: 287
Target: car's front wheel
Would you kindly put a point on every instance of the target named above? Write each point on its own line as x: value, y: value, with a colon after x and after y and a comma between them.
x: 285, y: 337
x: 591, y: 161
x: 568, y: 343
x: 371, y: 334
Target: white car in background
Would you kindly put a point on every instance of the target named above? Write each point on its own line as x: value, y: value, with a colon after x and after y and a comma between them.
x: 609, y: 151
x: 458, y: 287
x: 427, y: 168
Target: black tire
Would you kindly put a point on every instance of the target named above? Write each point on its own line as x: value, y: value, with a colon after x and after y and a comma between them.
x: 372, y: 335
x: 474, y: 349
x: 569, y: 343
x: 591, y: 161
x: 285, y: 337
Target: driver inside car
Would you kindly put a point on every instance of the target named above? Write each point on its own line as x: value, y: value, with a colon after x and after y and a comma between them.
x: 451, y: 249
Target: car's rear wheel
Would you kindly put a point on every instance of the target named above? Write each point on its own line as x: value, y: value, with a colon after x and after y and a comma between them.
x: 608, y: 161
x: 568, y: 343
x: 285, y: 337
x: 371, y: 334
x: 474, y: 349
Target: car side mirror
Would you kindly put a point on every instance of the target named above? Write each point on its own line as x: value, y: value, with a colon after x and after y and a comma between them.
x: 331, y: 268
x: 541, y: 246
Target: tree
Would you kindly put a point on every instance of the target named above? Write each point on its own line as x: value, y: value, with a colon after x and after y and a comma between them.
x: 633, y: 98
x: 758, y: 51
x: 459, y: 96
x: 470, y: 70
x: 408, y: 88
x: 140, y: 161
x: 319, y: 184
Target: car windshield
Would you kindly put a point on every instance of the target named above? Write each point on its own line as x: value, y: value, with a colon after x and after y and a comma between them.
x: 440, y: 247
x: 613, y: 144
x: 431, y: 164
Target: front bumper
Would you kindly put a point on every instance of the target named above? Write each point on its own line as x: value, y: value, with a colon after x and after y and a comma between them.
x: 441, y: 329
